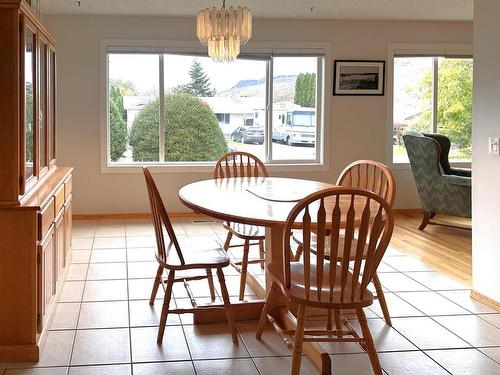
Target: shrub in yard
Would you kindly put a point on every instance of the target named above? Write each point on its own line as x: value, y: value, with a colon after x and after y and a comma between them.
x: 192, y: 132
x: 118, y: 132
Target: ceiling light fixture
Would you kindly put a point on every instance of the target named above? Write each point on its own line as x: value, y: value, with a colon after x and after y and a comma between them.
x: 224, y: 31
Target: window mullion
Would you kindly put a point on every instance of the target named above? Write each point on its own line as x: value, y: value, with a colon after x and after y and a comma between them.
x: 268, y: 140
x: 435, y: 68
x: 162, y: 110
x: 319, y: 108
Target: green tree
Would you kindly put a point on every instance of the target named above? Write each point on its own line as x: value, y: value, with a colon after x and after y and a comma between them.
x: 118, y: 132
x: 454, y: 112
x: 200, y: 84
x: 305, y: 90
x: 455, y: 102
x: 118, y: 116
x: 192, y: 132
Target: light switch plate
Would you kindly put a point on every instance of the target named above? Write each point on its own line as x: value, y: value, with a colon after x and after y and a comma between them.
x: 493, y: 146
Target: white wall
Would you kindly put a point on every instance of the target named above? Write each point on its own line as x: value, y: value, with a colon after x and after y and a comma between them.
x: 486, y: 168
x: 357, y: 126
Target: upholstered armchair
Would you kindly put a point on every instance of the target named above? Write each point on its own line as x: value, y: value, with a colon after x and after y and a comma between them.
x: 445, y: 145
x: 440, y: 193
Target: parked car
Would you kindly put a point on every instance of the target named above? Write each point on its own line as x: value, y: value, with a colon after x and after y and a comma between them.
x: 248, y: 134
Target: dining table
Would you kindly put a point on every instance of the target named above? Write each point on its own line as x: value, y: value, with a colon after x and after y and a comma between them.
x: 265, y: 202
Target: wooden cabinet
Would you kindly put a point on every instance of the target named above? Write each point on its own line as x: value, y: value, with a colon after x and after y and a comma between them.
x: 60, y: 259
x: 68, y: 227
x: 46, y: 276
x: 35, y: 194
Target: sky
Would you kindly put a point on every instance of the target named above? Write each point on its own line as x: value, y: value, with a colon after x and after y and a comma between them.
x: 143, y: 70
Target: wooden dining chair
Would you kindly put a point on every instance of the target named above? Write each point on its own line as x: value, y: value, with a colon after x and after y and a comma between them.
x: 201, y: 255
x: 316, y: 282
x: 242, y: 164
x: 377, y: 178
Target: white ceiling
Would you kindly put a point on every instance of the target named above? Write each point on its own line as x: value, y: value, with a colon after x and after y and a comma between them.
x: 322, y: 9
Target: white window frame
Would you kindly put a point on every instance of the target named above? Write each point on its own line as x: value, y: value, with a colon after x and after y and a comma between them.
x: 324, y: 75
x: 395, y: 49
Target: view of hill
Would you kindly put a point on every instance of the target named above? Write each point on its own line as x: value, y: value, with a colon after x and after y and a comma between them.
x: 284, y: 88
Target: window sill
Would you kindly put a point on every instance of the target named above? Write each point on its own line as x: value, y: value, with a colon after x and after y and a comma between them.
x: 406, y: 165
x: 206, y: 168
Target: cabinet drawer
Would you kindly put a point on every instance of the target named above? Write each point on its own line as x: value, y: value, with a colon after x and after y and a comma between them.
x: 59, y: 199
x: 45, y: 219
x: 68, y: 186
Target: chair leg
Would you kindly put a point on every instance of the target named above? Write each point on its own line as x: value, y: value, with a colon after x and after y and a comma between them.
x: 338, y: 323
x: 425, y: 220
x: 244, y: 266
x: 211, y: 284
x: 268, y: 306
x: 329, y: 320
x: 381, y: 299
x: 298, y: 253
x: 370, y: 347
x: 156, y: 285
x: 298, y: 340
x: 166, y: 303
x: 432, y: 215
x: 228, y: 240
x: 227, y: 305
x: 262, y: 255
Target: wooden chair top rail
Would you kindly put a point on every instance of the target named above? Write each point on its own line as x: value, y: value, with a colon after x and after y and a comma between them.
x: 370, y: 175
x: 239, y: 164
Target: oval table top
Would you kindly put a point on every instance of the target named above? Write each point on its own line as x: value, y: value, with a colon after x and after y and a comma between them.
x: 263, y: 201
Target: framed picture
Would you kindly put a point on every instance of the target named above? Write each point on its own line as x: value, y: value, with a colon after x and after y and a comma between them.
x: 358, y: 77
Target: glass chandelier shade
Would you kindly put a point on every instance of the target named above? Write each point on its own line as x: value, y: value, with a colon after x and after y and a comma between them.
x: 224, y: 31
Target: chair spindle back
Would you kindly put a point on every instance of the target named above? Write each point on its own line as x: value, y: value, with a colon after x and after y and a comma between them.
x: 370, y: 175
x: 162, y: 223
x: 339, y: 212
x: 239, y: 164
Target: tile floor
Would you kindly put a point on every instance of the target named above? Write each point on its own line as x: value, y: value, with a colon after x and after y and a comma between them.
x: 103, y: 323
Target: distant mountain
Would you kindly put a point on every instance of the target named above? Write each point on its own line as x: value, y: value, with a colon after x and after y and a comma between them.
x: 284, y: 87
x: 248, y: 82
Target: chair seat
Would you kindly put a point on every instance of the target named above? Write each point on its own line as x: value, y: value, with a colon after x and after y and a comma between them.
x: 352, y: 298
x: 197, y: 254
x: 298, y: 239
x: 246, y: 231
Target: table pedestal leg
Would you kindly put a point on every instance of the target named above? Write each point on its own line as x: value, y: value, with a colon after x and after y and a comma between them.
x: 274, y: 253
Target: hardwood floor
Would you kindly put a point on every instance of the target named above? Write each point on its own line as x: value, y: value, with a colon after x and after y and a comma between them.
x: 445, y: 249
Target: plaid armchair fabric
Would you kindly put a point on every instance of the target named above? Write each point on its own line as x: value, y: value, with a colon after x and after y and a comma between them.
x: 439, y: 192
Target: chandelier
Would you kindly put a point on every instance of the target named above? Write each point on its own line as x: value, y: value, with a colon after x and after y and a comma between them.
x: 224, y: 31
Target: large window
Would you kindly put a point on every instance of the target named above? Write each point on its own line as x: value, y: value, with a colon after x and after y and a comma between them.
x: 184, y: 108
x: 433, y: 94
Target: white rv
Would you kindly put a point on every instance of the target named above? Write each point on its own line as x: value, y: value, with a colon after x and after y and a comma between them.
x: 295, y: 126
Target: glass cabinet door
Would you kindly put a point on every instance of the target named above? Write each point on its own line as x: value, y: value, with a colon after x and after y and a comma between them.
x: 52, y: 104
x: 29, y: 102
x: 42, y: 114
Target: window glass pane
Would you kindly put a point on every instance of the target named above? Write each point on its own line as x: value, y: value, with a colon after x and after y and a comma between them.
x: 212, y: 108
x: 294, y: 107
x: 454, y: 112
x: 134, y: 107
x: 29, y: 104
x: 43, y: 105
x: 412, y: 106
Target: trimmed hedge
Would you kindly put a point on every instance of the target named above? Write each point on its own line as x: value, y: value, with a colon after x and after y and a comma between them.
x: 192, y: 132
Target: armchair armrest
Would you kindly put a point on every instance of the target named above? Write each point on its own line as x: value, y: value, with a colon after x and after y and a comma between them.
x: 458, y: 180
x: 465, y: 172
